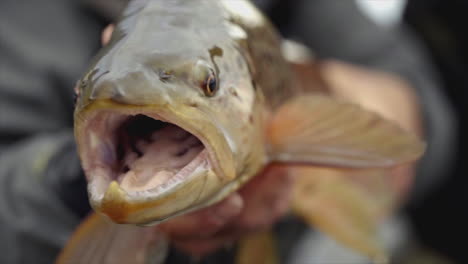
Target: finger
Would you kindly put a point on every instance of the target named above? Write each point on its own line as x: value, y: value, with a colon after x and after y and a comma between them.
x: 107, y: 34
x: 205, y: 222
x: 266, y: 198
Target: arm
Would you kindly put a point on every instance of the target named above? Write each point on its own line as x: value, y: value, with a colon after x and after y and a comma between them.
x: 42, y: 196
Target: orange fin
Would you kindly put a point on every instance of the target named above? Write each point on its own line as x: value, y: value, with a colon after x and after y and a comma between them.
x: 330, y: 201
x: 320, y: 130
x: 257, y: 248
x: 100, y: 241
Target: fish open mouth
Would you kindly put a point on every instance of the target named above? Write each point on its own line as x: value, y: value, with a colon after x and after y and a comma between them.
x: 150, y: 152
x: 142, y: 152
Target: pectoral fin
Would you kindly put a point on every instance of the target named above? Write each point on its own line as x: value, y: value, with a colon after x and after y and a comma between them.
x: 320, y: 130
x: 330, y: 201
x: 99, y: 241
x: 257, y: 248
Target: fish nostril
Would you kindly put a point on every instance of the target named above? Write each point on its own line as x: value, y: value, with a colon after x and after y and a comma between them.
x: 165, y: 75
x: 117, y: 85
x: 105, y: 90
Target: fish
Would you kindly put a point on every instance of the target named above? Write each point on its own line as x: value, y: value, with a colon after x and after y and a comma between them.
x: 188, y: 102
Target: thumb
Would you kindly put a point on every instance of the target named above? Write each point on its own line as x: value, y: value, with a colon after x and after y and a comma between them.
x: 106, y: 34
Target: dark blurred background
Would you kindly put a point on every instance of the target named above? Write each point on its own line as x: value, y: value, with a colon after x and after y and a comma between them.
x: 46, y: 45
x: 440, y: 218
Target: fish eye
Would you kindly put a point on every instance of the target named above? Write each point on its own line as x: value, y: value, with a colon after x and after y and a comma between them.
x: 210, y: 85
x: 205, y: 78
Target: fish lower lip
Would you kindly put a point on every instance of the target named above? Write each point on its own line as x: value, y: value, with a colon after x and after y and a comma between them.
x: 143, y: 152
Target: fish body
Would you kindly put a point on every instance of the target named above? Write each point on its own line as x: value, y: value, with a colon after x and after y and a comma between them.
x: 191, y: 99
x: 157, y: 64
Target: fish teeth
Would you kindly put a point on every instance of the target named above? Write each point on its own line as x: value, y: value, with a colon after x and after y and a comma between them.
x: 114, y: 193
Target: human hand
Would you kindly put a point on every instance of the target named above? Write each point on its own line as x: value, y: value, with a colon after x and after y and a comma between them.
x: 255, y: 207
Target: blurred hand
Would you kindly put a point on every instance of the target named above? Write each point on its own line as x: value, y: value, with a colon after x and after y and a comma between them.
x: 257, y: 206
x: 383, y: 92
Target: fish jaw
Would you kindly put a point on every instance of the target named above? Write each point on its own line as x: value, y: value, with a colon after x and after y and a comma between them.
x: 174, y: 189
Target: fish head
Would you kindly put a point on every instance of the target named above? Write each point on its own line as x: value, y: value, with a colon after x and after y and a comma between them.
x: 167, y: 118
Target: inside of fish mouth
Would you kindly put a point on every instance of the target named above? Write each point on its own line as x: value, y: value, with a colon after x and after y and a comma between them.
x: 147, y: 152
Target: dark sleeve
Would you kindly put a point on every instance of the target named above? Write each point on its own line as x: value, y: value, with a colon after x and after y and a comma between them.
x: 339, y: 30
x: 44, y: 46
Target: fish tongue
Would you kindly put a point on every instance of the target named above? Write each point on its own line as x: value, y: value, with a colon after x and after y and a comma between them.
x: 152, y: 158
x: 145, y: 180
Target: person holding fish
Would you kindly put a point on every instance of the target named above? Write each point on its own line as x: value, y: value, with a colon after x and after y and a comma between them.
x: 158, y: 143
